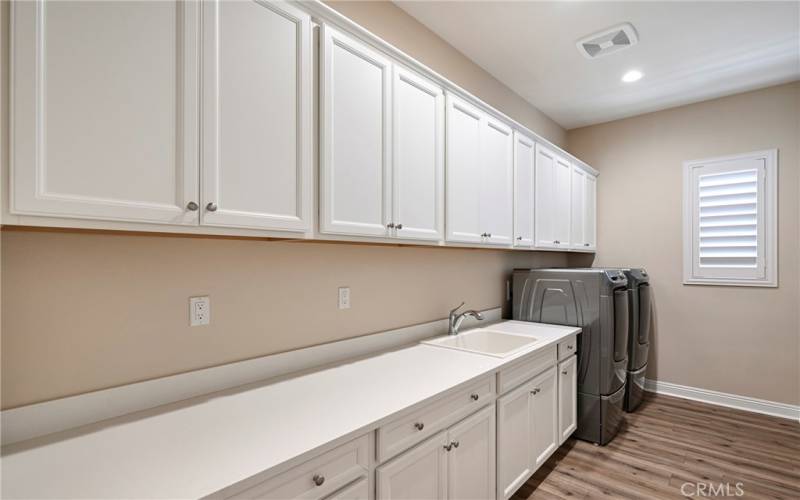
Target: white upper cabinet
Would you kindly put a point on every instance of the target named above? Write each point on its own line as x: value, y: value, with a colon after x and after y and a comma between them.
x: 355, y: 170
x: 464, y: 173
x: 104, y: 111
x: 497, y: 186
x: 479, y: 176
x: 552, y: 200
x: 524, y: 161
x: 584, y: 185
x: 257, y: 118
x: 418, y: 162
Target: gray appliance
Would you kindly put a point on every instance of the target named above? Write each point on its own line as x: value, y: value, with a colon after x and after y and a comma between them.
x: 638, y: 335
x: 597, y: 301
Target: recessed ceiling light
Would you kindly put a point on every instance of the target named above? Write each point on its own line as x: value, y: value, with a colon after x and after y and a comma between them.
x: 632, y: 76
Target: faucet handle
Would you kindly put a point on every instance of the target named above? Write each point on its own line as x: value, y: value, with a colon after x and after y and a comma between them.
x: 453, y: 311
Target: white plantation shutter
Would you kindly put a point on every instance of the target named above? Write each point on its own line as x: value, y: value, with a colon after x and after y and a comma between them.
x: 729, y: 220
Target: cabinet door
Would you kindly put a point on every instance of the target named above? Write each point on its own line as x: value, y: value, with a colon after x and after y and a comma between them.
x: 463, y: 180
x: 514, y: 440
x: 104, y: 110
x: 497, y: 183
x: 563, y: 202
x: 578, y: 202
x: 544, y: 416
x: 418, y: 474
x: 418, y: 163
x: 524, y: 160
x: 256, y: 116
x: 590, y: 213
x: 471, y: 460
x: 567, y: 398
x: 544, y: 227
x: 355, y: 173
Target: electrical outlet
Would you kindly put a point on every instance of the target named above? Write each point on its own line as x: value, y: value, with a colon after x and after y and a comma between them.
x: 344, y: 297
x: 199, y: 311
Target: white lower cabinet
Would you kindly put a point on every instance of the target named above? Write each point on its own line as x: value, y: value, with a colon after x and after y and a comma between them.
x: 457, y: 463
x: 567, y: 398
x: 527, y: 430
x: 331, y: 473
x: 359, y: 490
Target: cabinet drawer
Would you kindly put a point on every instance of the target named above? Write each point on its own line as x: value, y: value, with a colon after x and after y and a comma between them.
x: 525, y: 369
x: 567, y: 347
x: 318, y: 477
x: 411, y: 428
x: 356, y: 491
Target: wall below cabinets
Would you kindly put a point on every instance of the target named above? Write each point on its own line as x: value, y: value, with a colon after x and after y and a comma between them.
x: 85, y: 311
x: 388, y: 21
x: 738, y: 340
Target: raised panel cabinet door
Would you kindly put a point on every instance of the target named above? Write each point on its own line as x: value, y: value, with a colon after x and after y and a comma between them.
x: 590, y: 212
x: 578, y: 200
x: 563, y: 202
x: 567, y: 398
x: 463, y: 180
x: 355, y: 169
x: 524, y: 161
x: 418, y: 474
x: 544, y: 416
x: 418, y: 163
x: 104, y: 110
x: 544, y: 198
x: 256, y: 119
x: 497, y: 185
x: 471, y: 458
x: 514, y: 441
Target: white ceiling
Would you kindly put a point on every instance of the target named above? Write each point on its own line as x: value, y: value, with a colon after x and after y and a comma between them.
x: 688, y: 51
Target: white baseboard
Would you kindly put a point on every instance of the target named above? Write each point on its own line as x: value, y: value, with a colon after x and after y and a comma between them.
x: 755, y: 405
x: 27, y: 422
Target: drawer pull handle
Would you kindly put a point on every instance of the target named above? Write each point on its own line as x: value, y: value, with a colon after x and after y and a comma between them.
x: 448, y: 447
x: 318, y: 479
x: 474, y: 397
x: 563, y: 372
x: 419, y: 426
x: 455, y: 444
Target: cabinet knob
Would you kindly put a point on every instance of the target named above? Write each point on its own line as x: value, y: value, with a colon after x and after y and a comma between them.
x: 488, y: 235
x: 211, y: 207
x: 419, y: 426
x: 557, y: 242
x: 399, y: 226
x: 474, y: 397
x: 519, y: 238
x: 390, y: 225
x: 455, y: 444
x: 318, y: 479
x: 448, y: 447
x: 563, y: 372
x: 586, y: 244
x: 569, y: 347
x: 535, y: 391
x: 192, y: 206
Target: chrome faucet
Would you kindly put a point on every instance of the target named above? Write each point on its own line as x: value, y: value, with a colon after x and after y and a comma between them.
x: 457, y: 319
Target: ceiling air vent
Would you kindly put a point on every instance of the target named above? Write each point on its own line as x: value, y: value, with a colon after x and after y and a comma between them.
x: 608, y: 41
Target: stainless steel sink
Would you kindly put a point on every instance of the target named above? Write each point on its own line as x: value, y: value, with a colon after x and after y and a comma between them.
x: 484, y: 341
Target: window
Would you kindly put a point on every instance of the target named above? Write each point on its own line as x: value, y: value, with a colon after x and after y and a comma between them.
x: 730, y: 220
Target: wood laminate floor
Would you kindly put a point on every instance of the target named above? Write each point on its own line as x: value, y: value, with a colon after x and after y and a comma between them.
x: 669, y: 442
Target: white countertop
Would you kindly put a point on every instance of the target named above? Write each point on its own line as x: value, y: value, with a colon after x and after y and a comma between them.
x: 195, y: 448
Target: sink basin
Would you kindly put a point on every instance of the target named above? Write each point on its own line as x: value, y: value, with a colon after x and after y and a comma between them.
x: 488, y: 342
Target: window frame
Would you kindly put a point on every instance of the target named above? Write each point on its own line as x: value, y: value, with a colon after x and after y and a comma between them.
x: 770, y: 222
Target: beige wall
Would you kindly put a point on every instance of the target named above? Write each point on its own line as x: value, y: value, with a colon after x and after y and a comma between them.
x: 738, y: 340
x: 392, y: 24
x: 88, y: 311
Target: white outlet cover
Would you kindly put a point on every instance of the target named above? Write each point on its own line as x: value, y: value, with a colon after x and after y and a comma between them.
x: 344, y: 297
x: 199, y: 311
